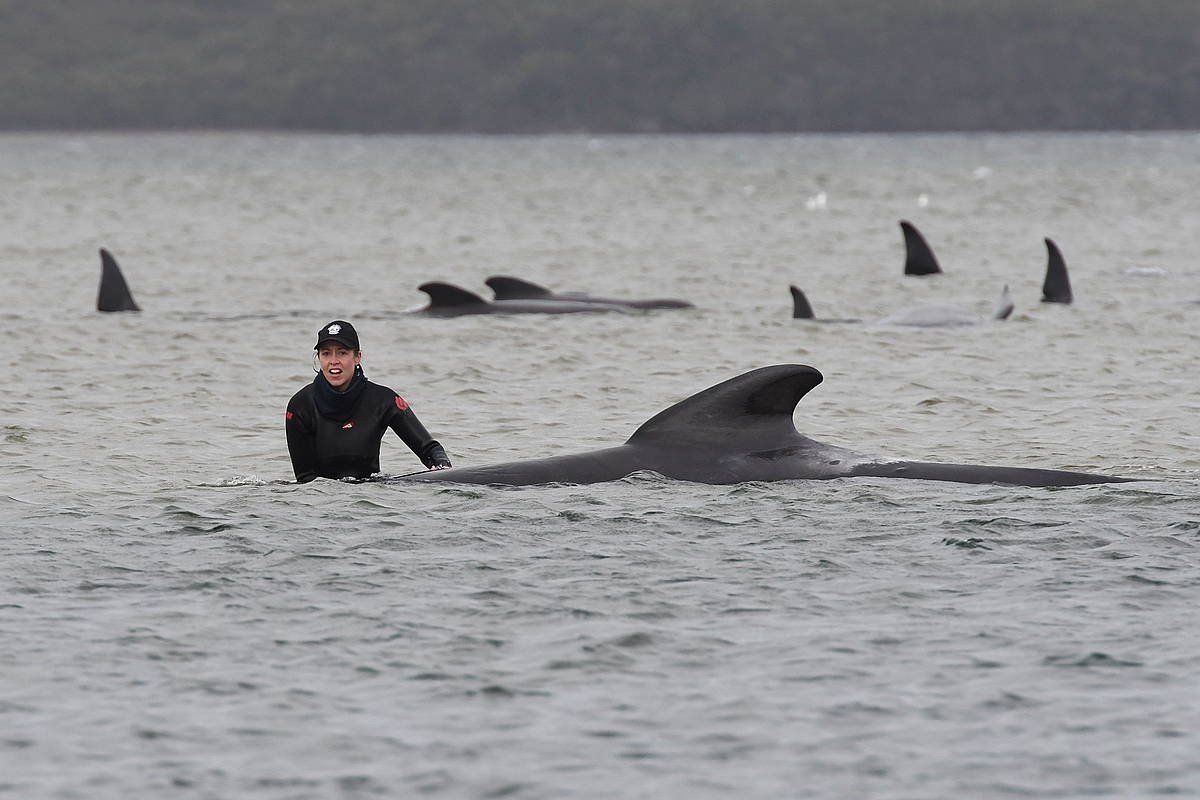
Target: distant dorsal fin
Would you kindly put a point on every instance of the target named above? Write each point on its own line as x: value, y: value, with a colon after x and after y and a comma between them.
x: 447, y: 294
x: 1057, y: 286
x: 114, y: 292
x: 1004, y: 306
x: 508, y: 288
x: 800, y: 307
x: 918, y: 257
x: 749, y: 412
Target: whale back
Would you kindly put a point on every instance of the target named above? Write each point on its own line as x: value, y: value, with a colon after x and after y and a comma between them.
x: 508, y: 288
x: 918, y: 256
x: 114, y: 291
x: 1004, y: 306
x: 979, y: 473
x: 1057, y: 286
x: 801, y: 309
x: 752, y: 411
x: 740, y: 430
x: 932, y: 316
x: 447, y: 295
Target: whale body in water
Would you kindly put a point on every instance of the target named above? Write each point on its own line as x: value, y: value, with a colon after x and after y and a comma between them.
x: 1056, y: 288
x: 114, y: 291
x: 930, y: 316
x: 505, y: 287
x: 448, y: 300
x: 740, y: 430
x: 918, y: 255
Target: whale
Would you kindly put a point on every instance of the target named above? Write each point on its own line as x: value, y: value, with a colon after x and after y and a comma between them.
x: 448, y: 300
x: 114, y: 291
x: 944, y: 316
x: 918, y: 256
x: 927, y: 316
x: 1056, y: 288
x: 802, y: 309
x: 506, y: 287
x: 737, y: 431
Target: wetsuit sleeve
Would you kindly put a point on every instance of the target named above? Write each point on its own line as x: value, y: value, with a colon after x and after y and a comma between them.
x: 406, y: 425
x: 302, y: 445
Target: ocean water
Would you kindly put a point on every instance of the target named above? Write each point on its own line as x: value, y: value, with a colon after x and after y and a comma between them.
x: 179, y: 619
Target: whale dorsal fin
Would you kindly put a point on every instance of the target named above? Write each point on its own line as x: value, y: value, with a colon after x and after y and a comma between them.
x: 750, y: 412
x: 508, y: 288
x: 1004, y: 306
x: 800, y: 307
x: 442, y: 295
x: 114, y: 292
x: 918, y: 257
x: 1057, y: 286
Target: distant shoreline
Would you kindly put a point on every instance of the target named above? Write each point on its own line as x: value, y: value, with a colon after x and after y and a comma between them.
x: 597, y: 67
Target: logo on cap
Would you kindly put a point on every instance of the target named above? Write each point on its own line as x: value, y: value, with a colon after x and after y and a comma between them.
x: 334, y: 330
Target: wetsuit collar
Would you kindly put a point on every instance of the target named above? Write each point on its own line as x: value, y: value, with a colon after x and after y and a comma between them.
x: 336, y: 405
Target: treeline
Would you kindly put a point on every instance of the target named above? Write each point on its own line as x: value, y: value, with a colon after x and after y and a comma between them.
x: 600, y: 65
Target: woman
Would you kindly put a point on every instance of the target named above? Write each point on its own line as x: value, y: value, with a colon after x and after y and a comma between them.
x: 335, y: 424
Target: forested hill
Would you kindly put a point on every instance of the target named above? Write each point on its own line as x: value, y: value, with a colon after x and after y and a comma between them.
x: 600, y: 65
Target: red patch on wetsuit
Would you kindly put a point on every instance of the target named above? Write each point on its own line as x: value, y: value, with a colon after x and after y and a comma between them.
x: 348, y: 425
x: 400, y: 404
x: 288, y: 416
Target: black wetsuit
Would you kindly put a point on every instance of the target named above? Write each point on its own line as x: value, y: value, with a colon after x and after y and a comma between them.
x: 333, y: 434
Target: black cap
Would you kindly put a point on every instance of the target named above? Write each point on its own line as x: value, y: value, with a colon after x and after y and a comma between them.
x: 338, y: 331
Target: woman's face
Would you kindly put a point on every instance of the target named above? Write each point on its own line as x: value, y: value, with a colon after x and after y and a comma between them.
x: 337, y: 363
